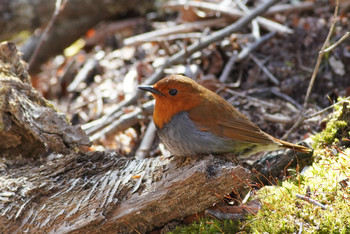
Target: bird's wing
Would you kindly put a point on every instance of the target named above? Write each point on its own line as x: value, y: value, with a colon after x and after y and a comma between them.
x: 224, y: 120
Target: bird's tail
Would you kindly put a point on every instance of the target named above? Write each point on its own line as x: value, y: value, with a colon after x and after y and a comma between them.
x: 295, y: 147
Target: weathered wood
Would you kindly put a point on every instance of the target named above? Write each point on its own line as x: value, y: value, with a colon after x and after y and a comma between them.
x: 104, y: 192
x: 266, y: 169
x: 29, y: 125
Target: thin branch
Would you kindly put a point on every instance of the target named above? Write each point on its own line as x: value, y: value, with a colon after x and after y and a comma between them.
x: 346, y: 35
x: 313, y: 77
x: 59, y: 6
x: 187, y: 27
x: 265, y: 70
x: 264, y: 22
x: 124, y: 122
x: 312, y: 201
x: 147, y: 142
x: 243, y: 54
x: 255, y: 25
x: 320, y: 56
x: 287, y: 8
x: 327, y: 108
x: 228, y: 67
x: 246, y: 50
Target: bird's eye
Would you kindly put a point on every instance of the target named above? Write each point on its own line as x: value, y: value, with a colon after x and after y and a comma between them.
x: 172, y: 92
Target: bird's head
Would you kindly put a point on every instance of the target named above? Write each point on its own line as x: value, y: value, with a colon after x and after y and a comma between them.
x: 174, y: 94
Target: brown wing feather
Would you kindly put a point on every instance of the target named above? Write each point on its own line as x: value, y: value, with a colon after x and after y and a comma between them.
x: 224, y: 120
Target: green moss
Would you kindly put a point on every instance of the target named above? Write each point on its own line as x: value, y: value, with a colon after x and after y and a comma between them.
x: 282, y: 212
x: 337, y: 127
x: 209, y: 226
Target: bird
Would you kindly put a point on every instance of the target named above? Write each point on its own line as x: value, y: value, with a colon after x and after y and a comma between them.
x: 192, y: 120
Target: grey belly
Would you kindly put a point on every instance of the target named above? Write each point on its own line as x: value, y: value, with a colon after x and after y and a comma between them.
x: 183, y: 138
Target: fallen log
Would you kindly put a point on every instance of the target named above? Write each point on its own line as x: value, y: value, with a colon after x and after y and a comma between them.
x: 107, y: 193
x: 72, y: 192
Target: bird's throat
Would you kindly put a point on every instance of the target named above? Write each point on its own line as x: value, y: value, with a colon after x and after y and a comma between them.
x: 166, y: 109
x: 163, y: 112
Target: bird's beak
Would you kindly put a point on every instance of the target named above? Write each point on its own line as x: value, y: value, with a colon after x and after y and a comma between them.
x: 149, y: 88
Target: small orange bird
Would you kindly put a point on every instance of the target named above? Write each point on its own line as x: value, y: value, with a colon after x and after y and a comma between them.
x: 192, y: 120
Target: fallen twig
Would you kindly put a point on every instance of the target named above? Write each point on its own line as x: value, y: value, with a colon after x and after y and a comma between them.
x: 135, y: 40
x: 327, y: 108
x: 243, y: 54
x: 312, y: 201
x: 346, y: 35
x: 278, y: 118
x: 266, y: 23
x: 59, y: 6
x: 301, y: 228
x: 228, y: 67
x: 255, y: 24
x: 83, y: 73
x: 265, y: 70
x: 147, y: 141
x: 251, y: 99
x: 124, y: 122
x: 284, y: 96
x: 286, y: 8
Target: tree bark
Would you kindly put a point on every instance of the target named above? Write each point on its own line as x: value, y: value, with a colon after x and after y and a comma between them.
x: 106, y: 193
x: 29, y: 124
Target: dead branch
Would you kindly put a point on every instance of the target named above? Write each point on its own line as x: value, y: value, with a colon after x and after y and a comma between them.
x: 147, y: 141
x: 124, y: 122
x: 230, y: 11
x: 187, y: 27
x: 312, y: 201
x: 59, y: 6
x: 243, y: 54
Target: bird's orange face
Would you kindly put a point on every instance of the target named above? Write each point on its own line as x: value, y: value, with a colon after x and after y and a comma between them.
x: 173, y: 95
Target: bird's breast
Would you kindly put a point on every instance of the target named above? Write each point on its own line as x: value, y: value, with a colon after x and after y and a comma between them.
x: 183, y: 138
